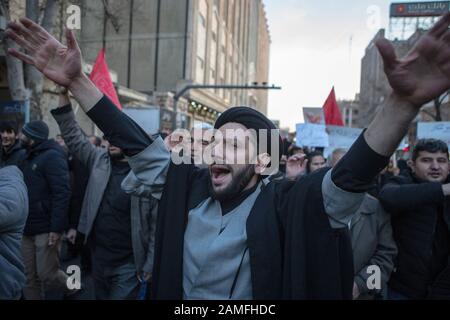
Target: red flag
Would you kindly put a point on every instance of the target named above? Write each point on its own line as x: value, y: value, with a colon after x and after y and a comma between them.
x: 331, y: 111
x: 101, y: 78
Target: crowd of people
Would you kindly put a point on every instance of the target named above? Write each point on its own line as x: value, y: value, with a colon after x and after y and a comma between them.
x: 352, y: 227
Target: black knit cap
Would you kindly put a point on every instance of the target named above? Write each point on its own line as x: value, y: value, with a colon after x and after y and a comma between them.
x: 36, y: 130
x: 251, y: 119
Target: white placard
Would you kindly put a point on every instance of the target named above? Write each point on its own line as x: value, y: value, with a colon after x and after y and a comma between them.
x: 312, y: 135
x: 435, y: 130
x: 342, y: 137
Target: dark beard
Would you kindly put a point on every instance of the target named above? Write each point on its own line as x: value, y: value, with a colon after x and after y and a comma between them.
x: 239, y: 181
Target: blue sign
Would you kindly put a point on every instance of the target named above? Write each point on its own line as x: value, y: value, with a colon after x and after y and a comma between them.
x: 12, y: 107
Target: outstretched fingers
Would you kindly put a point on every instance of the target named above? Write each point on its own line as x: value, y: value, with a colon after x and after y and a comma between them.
x: 21, y: 41
x: 441, y: 26
x: 20, y: 30
x: 387, y: 53
x: 35, y: 28
x: 22, y: 56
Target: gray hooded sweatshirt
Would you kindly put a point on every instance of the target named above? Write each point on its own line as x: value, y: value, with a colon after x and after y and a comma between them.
x: 13, y: 215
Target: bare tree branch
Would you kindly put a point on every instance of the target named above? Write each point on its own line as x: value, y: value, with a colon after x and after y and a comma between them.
x: 429, y: 113
x: 34, y: 80
x: 14, y: 66
x: 4, y: 7
x: 111, y: 16
x: 50, y: 13
x: 32, y: 10
x: 443, y: 97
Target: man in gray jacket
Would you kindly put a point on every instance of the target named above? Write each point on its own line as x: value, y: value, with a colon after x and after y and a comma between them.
x: 13, y: 215
x: 119, y: 228
x: 373, y: 245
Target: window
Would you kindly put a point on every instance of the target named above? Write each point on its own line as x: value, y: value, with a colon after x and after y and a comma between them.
x: 202, y: 20
x: 213, y: 48
x: 201, y: 42
x: 200, y: 70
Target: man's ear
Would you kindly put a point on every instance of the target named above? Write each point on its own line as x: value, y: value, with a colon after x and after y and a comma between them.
x: 262, y: 162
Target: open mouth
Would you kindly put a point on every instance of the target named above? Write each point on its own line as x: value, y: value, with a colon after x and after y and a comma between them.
x: 219, y: 174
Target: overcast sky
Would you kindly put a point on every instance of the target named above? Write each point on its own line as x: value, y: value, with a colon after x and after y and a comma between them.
x: 315, y: 45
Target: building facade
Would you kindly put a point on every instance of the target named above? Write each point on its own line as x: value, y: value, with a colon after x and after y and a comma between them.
x: 158, y: 46
x: 375, y: 87
x: 350, y: 111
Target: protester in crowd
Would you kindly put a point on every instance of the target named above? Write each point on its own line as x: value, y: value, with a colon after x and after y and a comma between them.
x: 316, y: 161
x: 419, y: 206
x: 373, y: 244
x: 46, y: 175
x: 403, y: 167
x: 336, y: 155
x: 199, y: 141
x: 283, y: 239
x: 13, y: 215
x: 389, y: 172
x: 119, y: 228
x: 385, y: 175
x: 296, y: 166
x: 79, y: 176
x: 294, y: 156
x: 11, y: 151
x: 286, y: 144
x: 295, y: 150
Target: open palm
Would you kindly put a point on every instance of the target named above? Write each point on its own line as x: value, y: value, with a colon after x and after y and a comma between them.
x: 57, y: 62
x: 424, y: 73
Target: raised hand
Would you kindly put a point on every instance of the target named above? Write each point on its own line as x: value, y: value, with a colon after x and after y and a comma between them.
x: 424, y: 73
x: 57, y: 62
x: 296, y: 166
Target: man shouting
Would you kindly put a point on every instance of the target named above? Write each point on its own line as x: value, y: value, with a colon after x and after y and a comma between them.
x: 226, y: 232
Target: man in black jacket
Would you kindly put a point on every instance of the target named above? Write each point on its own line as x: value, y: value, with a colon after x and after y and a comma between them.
x: 46, y: 175
x: 11, y: 151
x: 288, y: 239
x: 419, y: 206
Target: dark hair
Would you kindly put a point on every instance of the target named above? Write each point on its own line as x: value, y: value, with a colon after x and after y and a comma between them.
x: 9, y: 126
x: 293, y: 148
x: 97, y: 141
x: 310, y: 156
x: 429, y: 145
